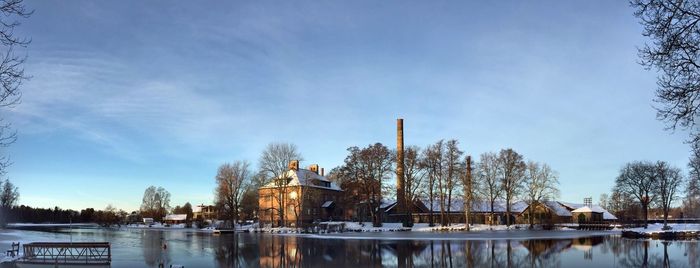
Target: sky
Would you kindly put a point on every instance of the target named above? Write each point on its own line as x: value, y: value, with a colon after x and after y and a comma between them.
x: 128, y: 94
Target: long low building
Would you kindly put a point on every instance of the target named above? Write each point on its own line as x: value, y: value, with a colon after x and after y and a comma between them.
x: 484, y: 212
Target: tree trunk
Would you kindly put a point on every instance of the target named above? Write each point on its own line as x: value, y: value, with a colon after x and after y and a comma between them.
x: 645, y: 210
x: 532, y: 218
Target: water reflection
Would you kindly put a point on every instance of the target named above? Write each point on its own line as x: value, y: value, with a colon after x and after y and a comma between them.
x: 145, y: 248
x: 289, y: 251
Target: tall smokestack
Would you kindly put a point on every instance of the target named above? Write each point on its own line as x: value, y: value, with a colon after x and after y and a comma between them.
x: 400, y: 181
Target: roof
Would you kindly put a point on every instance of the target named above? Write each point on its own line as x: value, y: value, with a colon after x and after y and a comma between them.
x: 606, y: 214
x: 176, y: 217
x: 557, y: 208
x: 303, y: 177
x: 587, y: 209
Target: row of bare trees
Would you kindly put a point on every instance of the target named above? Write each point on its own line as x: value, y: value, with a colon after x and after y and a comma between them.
x: 236, y: 183
x: 647, y: 184
x: 507, y: 176
x: 440, y: 174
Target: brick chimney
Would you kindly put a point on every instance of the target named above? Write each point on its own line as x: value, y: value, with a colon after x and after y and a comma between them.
x: 400, y: 192
x: 322, y: 173
x: 313, y: 168
x: 293, y: 165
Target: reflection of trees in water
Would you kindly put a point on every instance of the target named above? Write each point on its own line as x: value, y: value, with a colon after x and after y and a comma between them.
x: 638, y: 255
x: 293, y: 251
x: 152, y: 245
x: 692, y: 251
x: 234, y: 252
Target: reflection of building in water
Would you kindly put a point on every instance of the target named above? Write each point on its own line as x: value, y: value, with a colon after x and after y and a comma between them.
x: 586, y: 245
x: 279, y: 251
x: 546, y: 248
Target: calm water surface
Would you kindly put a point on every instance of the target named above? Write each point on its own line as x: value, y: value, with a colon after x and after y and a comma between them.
x: 142, y: 248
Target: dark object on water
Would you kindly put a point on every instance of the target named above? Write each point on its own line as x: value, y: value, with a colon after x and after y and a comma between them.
x: 14, y: 251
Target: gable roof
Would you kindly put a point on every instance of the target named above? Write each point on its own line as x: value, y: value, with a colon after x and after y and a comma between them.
x: 606, y: 214
x: 557, y: 208
x: 303, y: 177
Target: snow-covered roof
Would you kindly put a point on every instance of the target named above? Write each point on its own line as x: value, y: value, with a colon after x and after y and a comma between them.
x: 606, y: 214
x: 587, y: 209
x: 303, y: 177
x: 387, y: 204
x: 176, y: 217
x: 327, y: 204
x: 557, y: 208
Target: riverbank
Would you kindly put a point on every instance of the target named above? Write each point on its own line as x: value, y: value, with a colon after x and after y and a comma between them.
x: 657, y: 231
x: 363, y: 227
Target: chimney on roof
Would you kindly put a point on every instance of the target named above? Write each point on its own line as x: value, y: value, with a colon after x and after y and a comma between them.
x: 322, y: 173
x: 293, y: 165
x: 314, y: 168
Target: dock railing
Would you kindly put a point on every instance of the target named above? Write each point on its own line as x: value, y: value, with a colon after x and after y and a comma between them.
x: 67, y: 253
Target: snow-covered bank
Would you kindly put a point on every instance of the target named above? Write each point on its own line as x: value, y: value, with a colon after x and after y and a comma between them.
x: 676, y: 231
x: 20, y: 225
x: 343, y: 226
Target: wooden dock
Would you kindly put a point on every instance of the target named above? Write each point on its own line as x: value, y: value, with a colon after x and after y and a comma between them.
x: 65, y: 253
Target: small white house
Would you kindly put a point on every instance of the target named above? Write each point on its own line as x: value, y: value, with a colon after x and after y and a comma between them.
x: 148, y: 220
x: 175, y: 218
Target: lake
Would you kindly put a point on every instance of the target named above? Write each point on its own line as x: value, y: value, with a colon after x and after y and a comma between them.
x: 143, y: 248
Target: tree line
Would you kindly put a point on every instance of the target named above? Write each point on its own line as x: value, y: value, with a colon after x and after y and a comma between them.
x: 644, y: 185
x: 441, y: 173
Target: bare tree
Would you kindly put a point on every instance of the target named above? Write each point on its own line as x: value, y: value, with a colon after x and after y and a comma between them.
x: 674, y: 29
x: 468, y: 190
x: 231, y: 183
x: 691, y: 203
x: 511, y: 171
x: 604, y: 201
x: 667, y: 184
x: 365, y: 169
x: 155, y: 203
x: 540, y: 185
x: 9, y: 196
x: 11, y: 71
x: 453, y: 173
x: 433, y: 162
x: 487, y: 175
x: 638, y: 180
x: 414, y: 174
x: 273, y: 165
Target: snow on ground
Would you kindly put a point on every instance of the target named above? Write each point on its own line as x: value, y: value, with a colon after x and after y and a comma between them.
x: 367, y: 227
x: 675, y: 227
x: 52, y: 224
x: 155, y: 226
x: 423, y: 227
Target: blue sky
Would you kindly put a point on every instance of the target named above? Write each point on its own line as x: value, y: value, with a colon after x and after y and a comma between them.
x: 129, y: 94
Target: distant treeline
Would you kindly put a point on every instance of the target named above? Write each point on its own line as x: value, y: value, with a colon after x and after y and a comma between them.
x: 26, y: 214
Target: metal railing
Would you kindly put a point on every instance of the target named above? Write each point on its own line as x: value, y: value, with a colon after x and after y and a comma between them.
x: 67, y: 253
